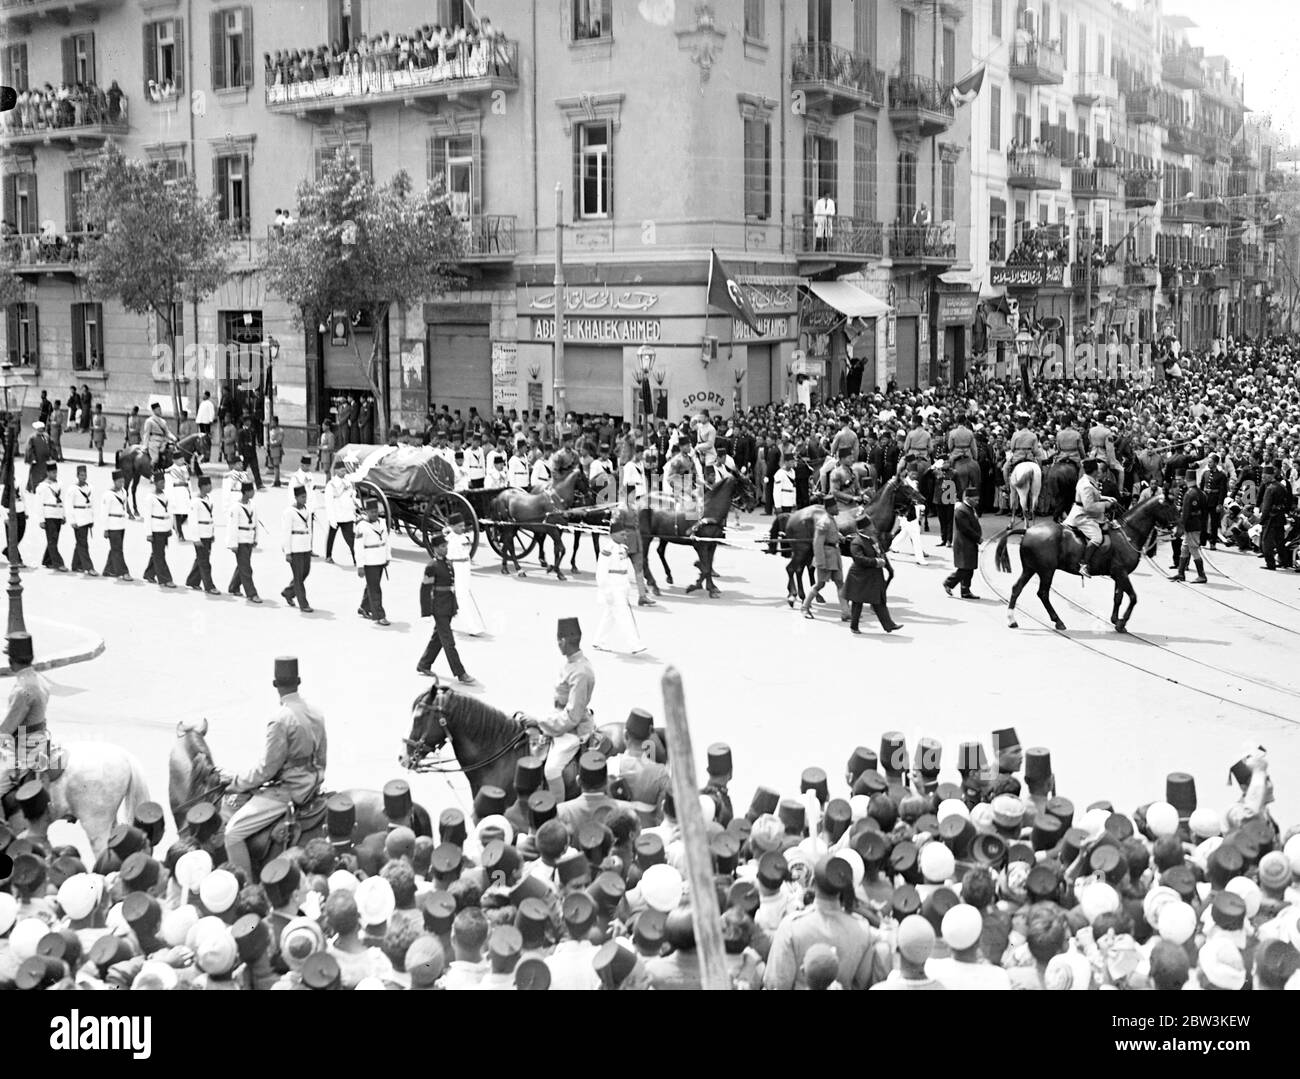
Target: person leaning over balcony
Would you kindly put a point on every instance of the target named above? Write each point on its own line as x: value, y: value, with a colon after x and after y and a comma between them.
x: 823, y: 221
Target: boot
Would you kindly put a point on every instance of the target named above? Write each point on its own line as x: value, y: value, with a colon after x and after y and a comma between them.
x: 1085, y: 563
x: 1200, y: 577
x: 1181, y: 575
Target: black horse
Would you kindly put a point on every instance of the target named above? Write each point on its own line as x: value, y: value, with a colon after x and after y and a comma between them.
x: 1059, y: 483
x: 135, y: 463
x: 702, y: 530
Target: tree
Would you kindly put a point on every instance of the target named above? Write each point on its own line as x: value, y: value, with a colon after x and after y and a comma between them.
x: 156, y: 243
x: 356, y: 246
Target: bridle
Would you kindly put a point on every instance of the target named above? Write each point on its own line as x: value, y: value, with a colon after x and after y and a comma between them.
x: 430, y: 761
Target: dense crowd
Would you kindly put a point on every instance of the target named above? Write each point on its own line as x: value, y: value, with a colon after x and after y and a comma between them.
x: 46, y: 107
x: 911, y: 870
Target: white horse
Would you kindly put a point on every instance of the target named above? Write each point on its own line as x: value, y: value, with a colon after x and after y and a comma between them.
x: 99, y: 780
x: 1026, y: 485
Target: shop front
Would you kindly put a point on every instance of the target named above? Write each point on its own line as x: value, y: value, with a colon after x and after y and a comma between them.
x: 954, y: 318
x: 842, y: 330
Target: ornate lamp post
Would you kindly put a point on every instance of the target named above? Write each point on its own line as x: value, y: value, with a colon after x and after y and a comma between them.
x: 645, y: 358
x: 1026, y: 346
x: 13, y: 394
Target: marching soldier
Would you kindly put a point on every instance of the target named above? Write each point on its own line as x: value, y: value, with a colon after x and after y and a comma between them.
x: 497, y: 477
x: 241, y: 537
x: 178, y: 494
x: 438, y: 599
x: 303, y: 478
x: 475, y: 461
x: 372, y: 535
x: 518, y: 470
x: 49, y: 496
x: 295, y: 525
x: 1272, y: 518
x: 82, y: 511
x: 204, y: 532
x: 540, y: 475
x: 340, y: 511
x: 114, y: 510
x: 635, y: 484
x: 1193, y: 522
x: 157, y: 515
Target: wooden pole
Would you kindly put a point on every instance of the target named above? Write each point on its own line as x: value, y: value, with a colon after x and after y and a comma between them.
x: 690, y: 818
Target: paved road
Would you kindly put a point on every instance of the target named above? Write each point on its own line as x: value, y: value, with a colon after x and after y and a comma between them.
x: 784, y: 692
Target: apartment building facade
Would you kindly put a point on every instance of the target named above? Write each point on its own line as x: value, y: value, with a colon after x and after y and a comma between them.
x: 670, y: 134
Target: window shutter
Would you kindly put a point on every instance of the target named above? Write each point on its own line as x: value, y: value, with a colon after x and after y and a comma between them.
x: 322, y: 156
x: 90, y: 57
x: 11, y: 200
x: 367, y: 160
x: 97, y: 345
x: 609, y: 168
x: 577, y: 171
x: 607, y: 17
x: 809, y: 172
x: 218, y: 33
x: 767, y: 170
x: 336, y: 23
x: 33, y: 208
x: 220, y: 172
x: 245, y: 210
x: 437, y: 157
x: 247, y: 67
x: 11, y: 331
x: 33, y: 320
x: 6, y: 71
x: 476, y: 189
x: 69, y: 60
x: 178, y: 36
x: 71, y: 192
x: 356, y: 20
x: 78, y: 336
x: 150, y: 54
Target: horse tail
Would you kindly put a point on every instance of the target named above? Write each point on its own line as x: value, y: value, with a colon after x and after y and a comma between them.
x: 1001, y: 559
x: 137, y: 789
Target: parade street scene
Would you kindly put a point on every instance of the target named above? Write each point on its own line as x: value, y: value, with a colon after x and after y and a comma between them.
x: 862, y: 558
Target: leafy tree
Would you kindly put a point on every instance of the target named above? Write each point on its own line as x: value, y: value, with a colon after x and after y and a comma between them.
x: 12, y: 287
x: 157, y: 243
x: 360, y: 246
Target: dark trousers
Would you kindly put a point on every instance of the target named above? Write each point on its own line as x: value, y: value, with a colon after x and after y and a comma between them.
x: 157, y: 566
x: 81, y: 562
x: 116, y: 564
x: 880, y: 610
x: 201, y: 572
x: 52, y: 558
x: 12, y: 542
x: 767, y: 494
x: 961, y: 577
x: 243, y: 576
x: 945, y: 523
x: 1270, y: 543
x: 299, y: 567
x: 1210, y: 533
x: 1177, y: 544
x: 372, y: 599
x: 250, y: 460
x: 179, y: 519
x: 206, y: 428
x: 442, y: 640
x: 346, y: 529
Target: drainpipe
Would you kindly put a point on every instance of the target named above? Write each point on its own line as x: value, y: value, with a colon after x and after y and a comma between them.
x: 194, y: 314
x: 783, y: 105
x: 532, y: 61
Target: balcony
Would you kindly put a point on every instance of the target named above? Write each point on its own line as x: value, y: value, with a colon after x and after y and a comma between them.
x: 490, y: 238
x: 1187, y: 211
x: 1216, y: 146
x: 1104, y: 275
x: 476, y: 73
x: 919, y: 106
x: 35, y: 256
x: 921, y: 245
x: 1142, y: 107
x: 1095, y: 183
x: 835, y: 78
x: 1140, y: 191
x: 851, y: 240
x: 1033, y: 170
x: 89, y: 120
x: 1183, y: 70
x: 1216, y: 211
x: 21, y: 14
x: 1244, y: 156
x: 1141, y: 276
x: 1094, y: 88
x: 1243, y: 260
x: 1180, y: 139
x: 1037, y: 65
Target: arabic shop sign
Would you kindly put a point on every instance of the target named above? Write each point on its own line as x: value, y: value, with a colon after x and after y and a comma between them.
x: 778, y: 328
x: 1053, y: 273
x: 611, y: 330
x: 578, y: 300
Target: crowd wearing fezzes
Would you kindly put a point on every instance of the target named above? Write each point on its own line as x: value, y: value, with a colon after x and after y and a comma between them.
x: 916, y: 867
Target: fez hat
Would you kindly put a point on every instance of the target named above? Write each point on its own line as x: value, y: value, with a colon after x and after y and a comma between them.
x: 568, y: 627
x: 541, y: 808
x: 1071, y: 844
x: 489, y: 801
x: 573, y: 866
x: 765, y: 800
x: 814, y: 779
x: 870, y: 783
x: 320, y: 971
x: 451, y: 827
x: 1062, y: 809
x: 592, y: 769
x: 861, y: 760
x: 117, y: 473
x: 1047, y: 831
x: 139, y: 872
x: 532, y: 973
x: 20, y: 648
x: 725, y: 850
x: 149, y: 820
x: 1038, y: 765
x: 397, y: 799
x: 595, y: 841
x: 125, y: 840
x: 280, y: 878
x: 202, y: 820
x: 500, y: 859
x: 340, y: 818
x: 1180, y: 792
x: 893, y: 752
x: 639, y: 725
x: 837, y: 817
x: 990, y: 850
x: 528, y: 774
x: 286, y: 671
x: 719, y: 760
x: 247, y: 488
x: 439, y: 910
x: 607, y: 891
x: 446, y: 860
x: 971, y: 758
x: 929, y: 752
x: 957, y: 832
x: 252, y: 937
x: 793, y: 816
x: 649, y: 850
x: 33, y: 799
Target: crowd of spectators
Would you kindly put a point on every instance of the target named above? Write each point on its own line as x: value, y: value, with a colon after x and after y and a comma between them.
x: 77, y: 105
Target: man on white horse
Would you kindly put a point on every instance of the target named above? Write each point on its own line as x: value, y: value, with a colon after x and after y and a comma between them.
x: 292, y: 768
x: 24, y: 741
x: 571, y: 723
x: 1089, y: 511
x: 1024, y: 447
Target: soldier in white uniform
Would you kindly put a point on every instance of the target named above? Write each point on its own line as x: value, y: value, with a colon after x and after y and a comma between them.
x: 634, y: 478
x: 372, y: 536
x: 113, y: 507
x: 49, y: 497
x: 475, y: 461
x: 540, y: 474
x: 158, y: 519
x: 178, y: 494
x: 497, y: 477
x: 616, y: 630
x: 340, y: 511
x: 81, y: 510
x: 600, y: 477
x: 241, y: 537
x: 518, y: 471
x: 204, y: 533
x: 304, y: 478
x: 295, y: 543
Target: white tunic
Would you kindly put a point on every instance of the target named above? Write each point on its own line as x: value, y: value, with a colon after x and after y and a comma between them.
x: 241, y: 525
x: 112, y: 506
x: 49, y: 496
x: 295, y: 531
x: 340, y: 502
x: 616, y: 630
x: 202, y: 520
x: 372, y: 538
x: 81, y: 508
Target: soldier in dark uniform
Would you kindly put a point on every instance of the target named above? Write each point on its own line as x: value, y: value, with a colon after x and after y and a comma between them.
x: 1272, y: 519
x: 1215, y: 485
x: 438, y: 598
x: 1192, y: 516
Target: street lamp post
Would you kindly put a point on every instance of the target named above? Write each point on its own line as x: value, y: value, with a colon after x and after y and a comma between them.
x: 645, y: 358
x: 1025, y: 344
x: 13, y: 393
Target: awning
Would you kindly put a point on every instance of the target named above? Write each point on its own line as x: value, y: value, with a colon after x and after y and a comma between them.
x: 849, y: 300
x: 969, y: 278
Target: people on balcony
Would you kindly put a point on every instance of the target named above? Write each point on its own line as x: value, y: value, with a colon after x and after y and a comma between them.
x: 430, y: 53
x: 76, y: 105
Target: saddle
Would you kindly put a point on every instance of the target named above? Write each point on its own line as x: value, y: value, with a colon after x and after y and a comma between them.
x: 299, y: 821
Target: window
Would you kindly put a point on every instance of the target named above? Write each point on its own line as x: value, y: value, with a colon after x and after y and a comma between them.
x: 906, y: 186
x: 593, y: 19
x: 907, y: 38
x: 1045, y: 27
x: 1065, y: 40
x: 948, y: 74
x: 20, y: 202
x: 74, y: 183
x: 995, y: 118
x: 997, y: 18
x: 864, y: 28
x: 820, y: 171
x: 758, y: 168
x: 22, y: 335
x: 754, y: 29
x: 819, y: 21
x: 14, y: 58
x: 232, y: 48
x: 345, y: 21
x: 1101, y: 53
x: 361, y: 154
x: 1022, y: 210
x: 174, y: 168
x: 593, y: 163
x: 79, y: 58
x: 231, y: 183
x: 1083, y: 48
x: 178, y: 323
x: 864, y: 168
x: 997, y: 230
x: 459, y: 159
x: 87, y: 337
x: 164, y: 54
x: 1042, y: 213
x: 947, y: 191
